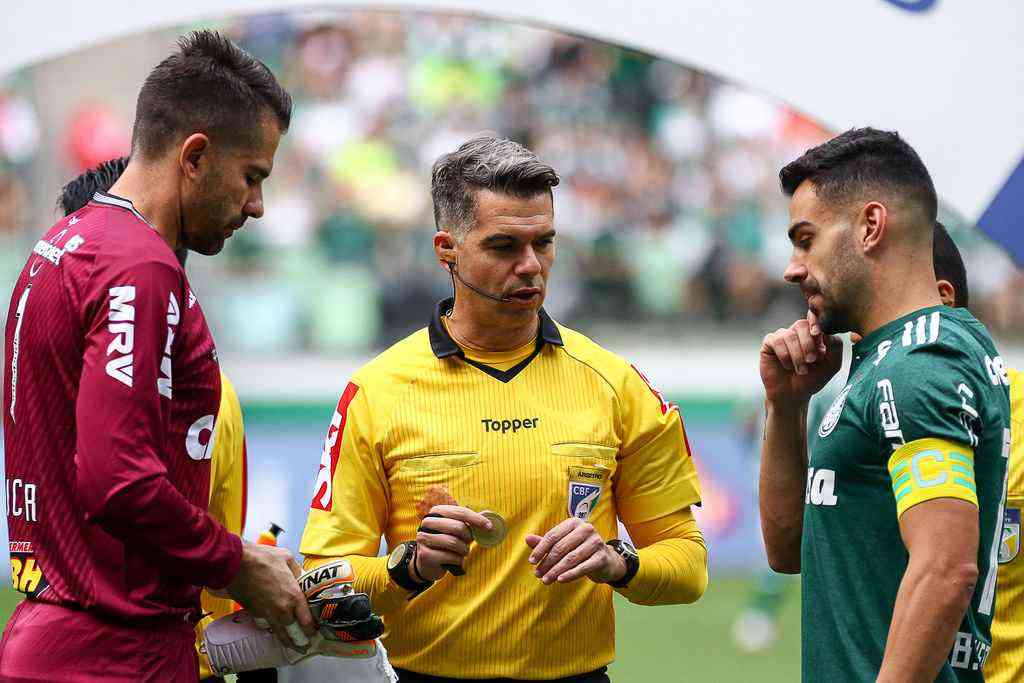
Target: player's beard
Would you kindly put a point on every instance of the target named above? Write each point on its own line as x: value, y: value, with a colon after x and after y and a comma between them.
x: 844, y: 290
x: 205, y: 224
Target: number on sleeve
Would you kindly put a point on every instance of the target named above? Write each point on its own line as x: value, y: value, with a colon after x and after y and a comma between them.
x: 19, y: 315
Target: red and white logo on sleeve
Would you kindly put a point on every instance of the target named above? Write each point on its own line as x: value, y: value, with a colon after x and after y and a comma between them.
x: 323, y: 491
x: 665, y: 405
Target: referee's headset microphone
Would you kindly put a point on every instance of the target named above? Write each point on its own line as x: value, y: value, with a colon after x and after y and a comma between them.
x: 455, y: 273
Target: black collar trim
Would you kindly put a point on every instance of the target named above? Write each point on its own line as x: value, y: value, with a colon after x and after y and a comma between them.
x: 443, y: 346
x: 121, y: 202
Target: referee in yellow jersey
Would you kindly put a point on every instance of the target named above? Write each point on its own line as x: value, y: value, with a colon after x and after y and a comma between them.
x: 1005, y: 663
x: 495, y: 408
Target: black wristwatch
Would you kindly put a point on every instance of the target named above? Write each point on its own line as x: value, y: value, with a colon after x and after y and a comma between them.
x: 628, y: 553
x: 398, y: 568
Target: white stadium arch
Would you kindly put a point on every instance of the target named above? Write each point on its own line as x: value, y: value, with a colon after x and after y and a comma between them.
x: 946, y: 74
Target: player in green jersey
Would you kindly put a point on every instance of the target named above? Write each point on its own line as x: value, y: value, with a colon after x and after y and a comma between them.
x: 891, y: 506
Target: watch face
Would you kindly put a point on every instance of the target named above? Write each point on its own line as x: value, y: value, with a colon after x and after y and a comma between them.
x: 396, y: 556
x: 627, y: 550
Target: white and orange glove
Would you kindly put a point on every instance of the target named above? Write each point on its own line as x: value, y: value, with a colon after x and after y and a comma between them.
x: 348, y: 629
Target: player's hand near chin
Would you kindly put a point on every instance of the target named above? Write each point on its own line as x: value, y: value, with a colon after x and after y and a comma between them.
x: 797, y: 361
x: 571, y: 550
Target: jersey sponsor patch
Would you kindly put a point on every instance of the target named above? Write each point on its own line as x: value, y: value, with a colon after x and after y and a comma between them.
x: 821, y: 487
x: 323, y: 491
x: 1009, y: 545
x: 26, y: 574
x: 831, y: 418
x: 200, y: 437
x: 122, y: 327
x: 585, y: 487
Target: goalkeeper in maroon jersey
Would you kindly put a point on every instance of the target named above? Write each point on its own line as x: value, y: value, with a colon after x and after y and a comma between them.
x: 112, y: 388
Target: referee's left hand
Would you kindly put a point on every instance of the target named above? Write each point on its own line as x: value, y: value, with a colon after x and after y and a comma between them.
x: 573, y: 549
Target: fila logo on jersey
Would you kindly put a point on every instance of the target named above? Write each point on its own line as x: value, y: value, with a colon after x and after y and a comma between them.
x: 821, y: 487
x: 831, y: 419
x: 122, y: 325
x: 1009, y: 546
x: 199, y: 440
x: 323, y: 490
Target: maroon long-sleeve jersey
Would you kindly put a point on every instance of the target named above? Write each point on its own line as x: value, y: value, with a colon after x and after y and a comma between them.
x: 111, y: 392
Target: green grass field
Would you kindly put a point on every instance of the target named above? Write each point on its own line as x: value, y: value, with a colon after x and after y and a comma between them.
x: 693, y: 642
x: 686, y: 643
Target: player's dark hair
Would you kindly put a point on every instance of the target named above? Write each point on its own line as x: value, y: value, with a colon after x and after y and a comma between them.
x: 863, y: 160
x: 484, y: 162
x: 79, y: 191
x: 949, y: 265
x: 209, y: 86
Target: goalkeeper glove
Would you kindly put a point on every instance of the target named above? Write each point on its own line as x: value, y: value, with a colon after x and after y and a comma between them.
x: 347, y: 627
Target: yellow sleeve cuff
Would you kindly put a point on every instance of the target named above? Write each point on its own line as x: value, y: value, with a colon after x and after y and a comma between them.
x: 673, y: 561
x: 372, y: 578
x: 926, y: 469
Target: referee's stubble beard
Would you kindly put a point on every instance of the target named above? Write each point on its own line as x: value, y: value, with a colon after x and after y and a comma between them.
x: 507, y: 253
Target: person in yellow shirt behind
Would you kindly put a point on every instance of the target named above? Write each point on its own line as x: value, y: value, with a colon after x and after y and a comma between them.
x: 1005, y: 663
x: 227, y: 506
x: 228, y: 464
x: 494, y: 451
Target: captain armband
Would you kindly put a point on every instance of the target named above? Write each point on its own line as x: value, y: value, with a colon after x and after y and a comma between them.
x: 926, y: 469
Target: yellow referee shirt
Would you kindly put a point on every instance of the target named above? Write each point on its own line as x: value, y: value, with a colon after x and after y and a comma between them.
x: 569, y: 430
x: 1006, y: 660
x: 227, y: 495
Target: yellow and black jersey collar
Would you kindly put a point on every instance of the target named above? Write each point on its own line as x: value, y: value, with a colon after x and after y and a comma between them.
x: 443, y: 346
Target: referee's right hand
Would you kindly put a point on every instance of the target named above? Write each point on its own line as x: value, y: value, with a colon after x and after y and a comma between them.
x: 443, y: 539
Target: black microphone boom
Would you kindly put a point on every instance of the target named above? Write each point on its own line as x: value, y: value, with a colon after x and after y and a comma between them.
x: 499, y: 299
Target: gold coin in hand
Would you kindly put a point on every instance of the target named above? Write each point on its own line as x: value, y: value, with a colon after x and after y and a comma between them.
x: 497, y: 533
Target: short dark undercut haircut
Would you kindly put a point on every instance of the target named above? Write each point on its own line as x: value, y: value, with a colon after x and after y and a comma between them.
x: 210, y: 86
x: 862, y: 161
x: 949, y: 265
x: 484, y: 162
x: 79, y: 191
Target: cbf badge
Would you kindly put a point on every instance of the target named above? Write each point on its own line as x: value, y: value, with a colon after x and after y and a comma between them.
x: 585, y: 486
x: 1010, y: 545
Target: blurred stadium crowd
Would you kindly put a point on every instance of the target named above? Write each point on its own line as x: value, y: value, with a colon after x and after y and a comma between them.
x: 669, y: 212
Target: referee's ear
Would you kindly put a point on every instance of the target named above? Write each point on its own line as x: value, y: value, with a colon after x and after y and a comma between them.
x: 444, y: 247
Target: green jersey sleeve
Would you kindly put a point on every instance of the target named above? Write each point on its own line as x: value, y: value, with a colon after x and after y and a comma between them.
x: 933, y: 392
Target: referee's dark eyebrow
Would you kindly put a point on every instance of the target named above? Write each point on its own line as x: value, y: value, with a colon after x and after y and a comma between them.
x: 501, y: 237
x: 796, y: 226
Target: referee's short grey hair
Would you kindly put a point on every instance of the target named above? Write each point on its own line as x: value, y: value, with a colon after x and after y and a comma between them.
x: 484, y: 162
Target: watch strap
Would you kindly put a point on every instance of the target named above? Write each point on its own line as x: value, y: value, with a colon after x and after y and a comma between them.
x: 399, y: 573
x: 632, y: 559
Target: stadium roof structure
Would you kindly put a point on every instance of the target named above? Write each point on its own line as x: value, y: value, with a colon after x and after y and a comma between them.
x: 945, y: 74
